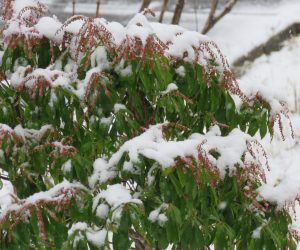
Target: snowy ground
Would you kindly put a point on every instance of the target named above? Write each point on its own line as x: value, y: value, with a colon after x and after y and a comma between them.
x: 279, y: 72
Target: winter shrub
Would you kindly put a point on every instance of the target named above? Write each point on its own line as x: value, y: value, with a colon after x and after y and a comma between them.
x: 129, y: 138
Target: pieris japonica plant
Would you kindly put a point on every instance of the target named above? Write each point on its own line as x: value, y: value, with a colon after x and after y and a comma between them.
x: 129, y: 137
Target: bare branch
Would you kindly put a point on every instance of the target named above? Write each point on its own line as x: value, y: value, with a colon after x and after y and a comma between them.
x: 145, y: 4
x: 163, y: 9
x: 178, y: 11
x: 212, y: 19
x: 228, y: 7
x: 73, y: 3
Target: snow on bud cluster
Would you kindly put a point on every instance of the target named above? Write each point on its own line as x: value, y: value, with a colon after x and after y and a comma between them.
x: 152, y: 145
x: 139, y: 39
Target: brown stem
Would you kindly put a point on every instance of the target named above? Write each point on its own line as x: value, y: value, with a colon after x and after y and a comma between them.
x: 138, y: 240
x: 98, y: 8
x: 17, y: 109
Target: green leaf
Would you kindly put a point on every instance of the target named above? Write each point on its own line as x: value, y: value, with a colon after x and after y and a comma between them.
x: 176, y: 184
x: 181, y: 176
x: 220, y: 238
x: 264, y: 126
x: 121, y: 238
x: 253, y: 127
x: 121, y: 241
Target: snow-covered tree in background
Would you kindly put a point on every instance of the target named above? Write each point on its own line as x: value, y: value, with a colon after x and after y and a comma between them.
x: 129, y: 137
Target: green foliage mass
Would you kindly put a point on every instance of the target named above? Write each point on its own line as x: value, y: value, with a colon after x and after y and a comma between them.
x: 202, y: 210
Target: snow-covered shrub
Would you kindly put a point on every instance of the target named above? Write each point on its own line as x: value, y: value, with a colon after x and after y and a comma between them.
x: 129, y: 137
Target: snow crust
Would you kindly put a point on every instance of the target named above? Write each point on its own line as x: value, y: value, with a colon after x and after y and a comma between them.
x: 117, y: 194
x: 180, y: 71
x: 66, y: 167
x: 48, y: 27
x: 171, y: 87
x: 95, y: 235
x: 118, y: 107
x: 102, y: 211
x: 157, y: 216
x: 56, y: 193
x: 114, y: 197
x: 52, y: 77
x: 25, y: 133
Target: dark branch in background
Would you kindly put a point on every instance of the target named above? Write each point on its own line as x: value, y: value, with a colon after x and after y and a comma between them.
x: 212, y: 19
x: 145, y: 4
x: 73, y: 3
x: 97, y: 8
x: 178, y: 11
x: 196, y: 14
x: 138, y: 240
x: 163, y: 9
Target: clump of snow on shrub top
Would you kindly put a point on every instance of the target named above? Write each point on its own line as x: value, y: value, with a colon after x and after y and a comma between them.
x: 152, y: 144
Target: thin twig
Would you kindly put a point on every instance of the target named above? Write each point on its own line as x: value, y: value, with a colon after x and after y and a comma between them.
x: 74, y: 2
x: 145, y: 4
x: 178, y: 11
x: 16, y: 106
x: 212, y: 19
x: 97, y: 8
x: 163, y: 9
